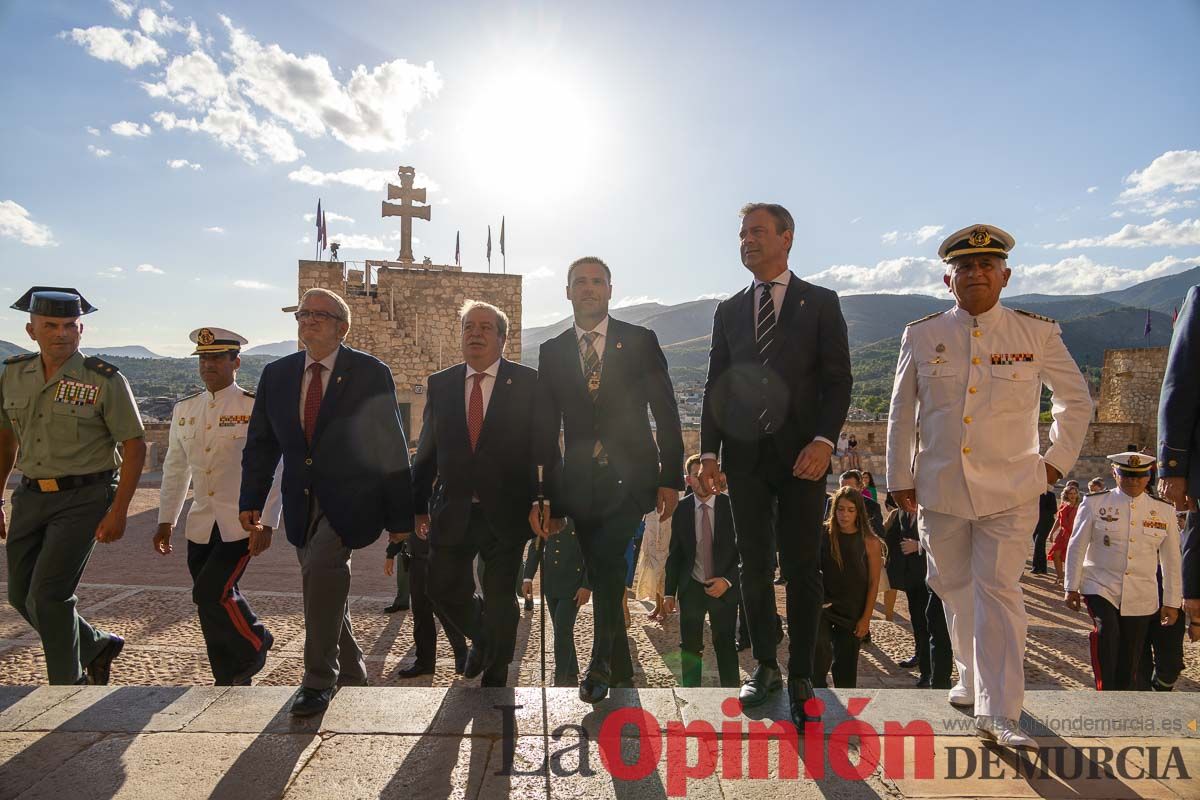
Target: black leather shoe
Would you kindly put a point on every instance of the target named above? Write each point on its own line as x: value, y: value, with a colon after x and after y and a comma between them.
x: 593, y: 690
x: 311, y: 701
x: 260, y: 661
x: 529, y: 604
x: 98, y: 671
x: 759, y: 686
x: 781, y: 581
x: 924, y: 682
x: 477, y: 661
x: 415, y: 670
x: 800, y: 690
x: 908, y: 663
x: 394, y: 607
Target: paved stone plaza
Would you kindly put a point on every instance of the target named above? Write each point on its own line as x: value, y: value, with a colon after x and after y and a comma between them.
x: 161, y: 731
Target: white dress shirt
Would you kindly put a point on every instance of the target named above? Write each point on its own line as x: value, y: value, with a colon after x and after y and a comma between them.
x: 972, y: 387
x: 697, y: 565
x: 204, y: 450
x: 327, y: 362
x: 485, y: 386
x: 1116, y: 548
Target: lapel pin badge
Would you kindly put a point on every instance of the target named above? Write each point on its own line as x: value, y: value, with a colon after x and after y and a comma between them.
x: 618, y: 345
x: 339, y: 380
x: 508, y: 382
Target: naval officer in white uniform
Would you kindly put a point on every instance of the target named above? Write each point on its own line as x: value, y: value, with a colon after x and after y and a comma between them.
x: 1120, y: 539
x: 969, y: 384
x: 204, y: 449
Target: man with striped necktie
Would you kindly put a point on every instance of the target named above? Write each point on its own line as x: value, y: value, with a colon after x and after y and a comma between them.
x: 595, y: 382
x: 777, y: 393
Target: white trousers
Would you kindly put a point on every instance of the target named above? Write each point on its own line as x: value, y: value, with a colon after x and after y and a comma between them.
x: 975, y: 566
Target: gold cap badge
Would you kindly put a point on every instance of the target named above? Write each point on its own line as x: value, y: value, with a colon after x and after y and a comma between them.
x: 205, y: 336
x: 980, y: 237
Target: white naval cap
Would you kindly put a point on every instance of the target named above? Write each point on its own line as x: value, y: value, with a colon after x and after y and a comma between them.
x: 1131, y: 463
x: 976, y: 239
x: 216, y: 340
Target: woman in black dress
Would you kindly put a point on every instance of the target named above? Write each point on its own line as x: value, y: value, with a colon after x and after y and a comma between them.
x: 851, y: 559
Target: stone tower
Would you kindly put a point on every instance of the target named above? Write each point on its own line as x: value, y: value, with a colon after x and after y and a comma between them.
x: 406, y: 314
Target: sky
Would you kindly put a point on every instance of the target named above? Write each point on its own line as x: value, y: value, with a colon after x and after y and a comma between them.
x: 165, y: 158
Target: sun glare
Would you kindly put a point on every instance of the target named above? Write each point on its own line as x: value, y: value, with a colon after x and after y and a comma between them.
x: 534, y: 128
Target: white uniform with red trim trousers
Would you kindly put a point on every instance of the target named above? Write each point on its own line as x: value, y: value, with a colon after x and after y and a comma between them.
x: 971, y: 386
x: 208, y: 432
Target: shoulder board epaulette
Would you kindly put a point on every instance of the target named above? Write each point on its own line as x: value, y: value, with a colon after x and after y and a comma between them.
x: 100, y: 365
x: 1035, y: 316
x: 189, y: 396
x: 19, y: 357
x: 248, y: 393
x: 926, y: 318
x: 1102, y: 491
x: 1158, y: 499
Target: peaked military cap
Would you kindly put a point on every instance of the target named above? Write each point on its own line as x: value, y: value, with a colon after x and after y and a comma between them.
x: 1135, y: 464
x: 53, y: 301
x: 976, y: 239
x: 216, y: 340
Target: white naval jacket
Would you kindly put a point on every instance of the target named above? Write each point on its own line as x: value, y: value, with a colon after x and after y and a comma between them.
x: 970, y: 387
x: 208, y: 432
x: 1116, y: 547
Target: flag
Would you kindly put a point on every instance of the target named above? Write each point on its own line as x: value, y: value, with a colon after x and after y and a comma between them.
x: 489, y: 249
x: 324, y: 233
x: 1147, y: 331
x: 320, y: 230
x: 457, y: 252
x: 502, y: 236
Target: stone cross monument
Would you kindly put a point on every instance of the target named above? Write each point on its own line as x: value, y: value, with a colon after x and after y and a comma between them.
x: 405, y: 209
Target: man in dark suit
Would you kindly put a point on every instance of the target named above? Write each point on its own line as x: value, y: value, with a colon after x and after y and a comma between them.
x: 474, y: 479
x: 702, y: 572
x: 331, y: 412
x: 776, y: 397
x: 1179, y: 445
x: 595, y: 381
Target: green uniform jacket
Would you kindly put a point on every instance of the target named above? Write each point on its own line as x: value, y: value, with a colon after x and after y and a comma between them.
x: 564, y: 573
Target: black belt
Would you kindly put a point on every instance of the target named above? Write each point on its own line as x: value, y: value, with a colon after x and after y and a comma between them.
x: 66, y: 482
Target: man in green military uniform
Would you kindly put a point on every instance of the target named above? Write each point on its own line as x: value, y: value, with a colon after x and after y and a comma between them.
x: 63, y: 416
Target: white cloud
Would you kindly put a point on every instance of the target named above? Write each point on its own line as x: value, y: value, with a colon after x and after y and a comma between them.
x: 715, y: 295
x: 357, y: 241
x: 122, y: 9
x: 194, y: 38
x: 1093, y: 189
x: 541, y: 273
x: 128, y: 48
x: 1072, y: 275
x: 240, y: 131
x: 214, y: 229
x: 1160, y: 233
x: 856, y: 220
x: 330, y: 216
x: 920, y: 235
x: 92, y: 131
x: 252, y: 285
x: 183, y: 163
x: 193, y: 80
x: 640, y: 299
x: 127, y: 128
x: 150, y: 268
x: 369, y: 113
x: 99, y: 152
x: 111, y: 272
x: 1178, y: 170
x: 155, y: 25
x: 16, y: 224
x: 370, y: 179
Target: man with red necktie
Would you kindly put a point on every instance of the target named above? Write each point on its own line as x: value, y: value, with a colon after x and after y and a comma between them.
x: 474, y: 479
x: 330, y: 412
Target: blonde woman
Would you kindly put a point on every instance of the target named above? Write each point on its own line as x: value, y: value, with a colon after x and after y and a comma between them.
x: 1064, y: 523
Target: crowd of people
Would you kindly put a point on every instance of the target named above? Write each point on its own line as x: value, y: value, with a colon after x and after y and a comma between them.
x: 584, y: 452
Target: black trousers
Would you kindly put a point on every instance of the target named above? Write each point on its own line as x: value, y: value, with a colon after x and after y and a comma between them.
x: 233, y: 634
x: 422, y: 610
x: 1162, y: 656
x: 490, y: 623
x: 941, y: 651
x: 1039, y: 549
x: 837, y: 649
x: 918, y: 600
x: 1117, y: 643
x: 722, y: 613
x: 563, y: 612
x: 801, y: 504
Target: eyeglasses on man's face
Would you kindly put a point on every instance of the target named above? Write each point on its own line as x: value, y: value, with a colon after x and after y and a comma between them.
x: 315, y: 316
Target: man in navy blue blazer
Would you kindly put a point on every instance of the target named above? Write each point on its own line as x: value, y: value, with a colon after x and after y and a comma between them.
x: 1179, y: 445
x: 330, y: 412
